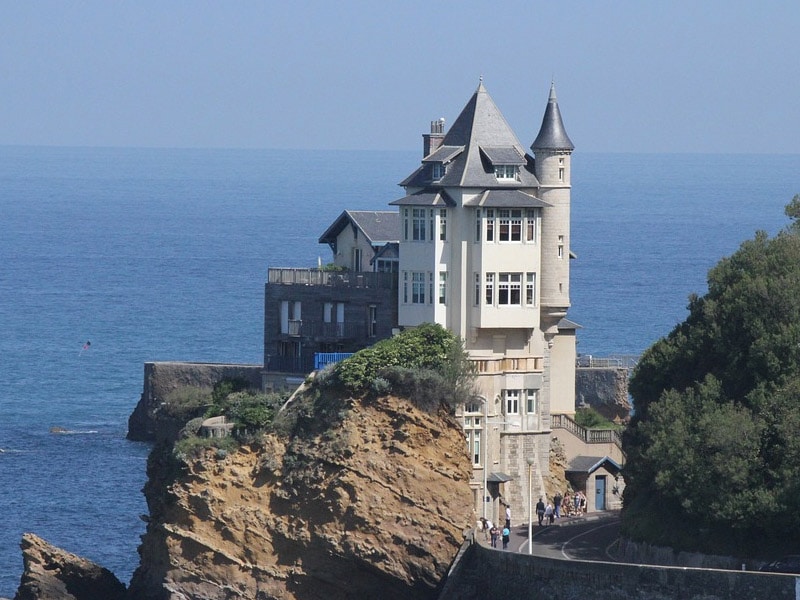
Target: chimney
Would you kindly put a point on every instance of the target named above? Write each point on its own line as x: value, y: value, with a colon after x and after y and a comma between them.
x: 431, y: 141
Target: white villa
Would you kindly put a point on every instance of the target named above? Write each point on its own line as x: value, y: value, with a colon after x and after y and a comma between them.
x: 485, y: 251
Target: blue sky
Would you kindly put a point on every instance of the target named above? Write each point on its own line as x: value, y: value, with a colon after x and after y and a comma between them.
x: 632, y: 76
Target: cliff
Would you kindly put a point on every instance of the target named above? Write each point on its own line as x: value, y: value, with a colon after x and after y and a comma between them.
x: 359, y: 500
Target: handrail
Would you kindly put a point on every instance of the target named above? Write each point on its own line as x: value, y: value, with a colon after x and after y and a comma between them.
x: 588, y: 436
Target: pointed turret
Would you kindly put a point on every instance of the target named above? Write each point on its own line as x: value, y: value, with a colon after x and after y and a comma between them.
x: 552, y: 135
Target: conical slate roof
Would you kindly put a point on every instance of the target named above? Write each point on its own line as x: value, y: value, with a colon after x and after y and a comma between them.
x: 479, y: 136
x: 552, y: 135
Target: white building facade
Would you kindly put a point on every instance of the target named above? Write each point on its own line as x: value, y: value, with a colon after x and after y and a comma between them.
x: 485, y: 251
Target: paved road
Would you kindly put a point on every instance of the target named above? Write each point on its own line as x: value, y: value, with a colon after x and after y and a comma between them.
x: 592, y: 537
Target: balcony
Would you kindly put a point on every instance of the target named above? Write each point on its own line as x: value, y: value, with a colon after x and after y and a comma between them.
x: 350, y: 279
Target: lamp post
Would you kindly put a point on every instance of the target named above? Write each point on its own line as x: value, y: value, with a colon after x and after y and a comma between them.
x: 530, y: 461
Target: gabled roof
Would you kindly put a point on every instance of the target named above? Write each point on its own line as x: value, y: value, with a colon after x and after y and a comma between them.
x: 378, y: 226
x: 552, y: 135
x: 425, y: 198
x: 589, y: 464
x: 480, y: 125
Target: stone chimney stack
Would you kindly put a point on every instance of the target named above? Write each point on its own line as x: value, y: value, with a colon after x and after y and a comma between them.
x: 431, y: 141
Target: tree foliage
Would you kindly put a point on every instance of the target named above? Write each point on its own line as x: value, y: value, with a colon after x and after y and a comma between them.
x: 713, y: 445
x: 425, y: 363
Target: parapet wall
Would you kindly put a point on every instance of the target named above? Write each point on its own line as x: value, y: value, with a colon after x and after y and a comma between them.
x: 486, y: 573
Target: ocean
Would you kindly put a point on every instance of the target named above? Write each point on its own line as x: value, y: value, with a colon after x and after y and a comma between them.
x: 162, y: 254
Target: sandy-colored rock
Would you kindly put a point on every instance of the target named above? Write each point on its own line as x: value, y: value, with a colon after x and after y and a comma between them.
x: 362, y: 500
x: 54, y: 574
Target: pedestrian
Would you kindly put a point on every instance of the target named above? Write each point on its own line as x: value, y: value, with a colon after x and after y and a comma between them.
x: 489, y: 525
x: 506, y: 537
x: 557, y: 505
x: 577, y: 499
x: 548, y: 513
x: 494, y: 533
x: 566, y: 505
x: 508, y: 516
x: 583, y: 502
x: 540, y: 511
x: 484, y: 526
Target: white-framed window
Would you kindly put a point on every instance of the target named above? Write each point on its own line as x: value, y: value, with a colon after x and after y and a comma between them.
x: 489, y: 289
x: 510, y: 225
x: 561, y: 246
x: 431, y: 229
x: 405, y: 287
x: 473, y: 427
x: 418, y: 224
x: 437, y: 170
x: 531, y: 401
x: 430, y: 288
x: 442, y: 224
x: 561, y: 168
x: 405, y: 223
x: 530, y: 225
x: 417, y: 287
x: 477, y: 224
x: 357, y: 256
x: 489, y: 225
x: 530, y: 289
x: 512, y: 402
x: 505, y: 172
x: 443, y: 287
x: 509, y: 289
x: 477, y: 289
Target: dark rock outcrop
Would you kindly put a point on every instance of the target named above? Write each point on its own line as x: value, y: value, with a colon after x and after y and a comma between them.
x: 54, y: 574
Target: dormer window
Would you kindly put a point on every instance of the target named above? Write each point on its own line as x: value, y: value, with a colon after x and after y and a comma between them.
x: 437, y: 171
x: 506, y: 172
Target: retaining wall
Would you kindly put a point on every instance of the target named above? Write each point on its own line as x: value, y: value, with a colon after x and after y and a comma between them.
x: 486, y: 573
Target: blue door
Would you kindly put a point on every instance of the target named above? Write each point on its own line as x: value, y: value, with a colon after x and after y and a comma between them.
x: 600, y: 492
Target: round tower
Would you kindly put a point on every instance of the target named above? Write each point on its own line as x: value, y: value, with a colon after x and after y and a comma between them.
x: 552, y: 150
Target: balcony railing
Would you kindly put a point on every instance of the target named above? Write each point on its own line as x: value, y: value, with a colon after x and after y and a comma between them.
x: 589, y: 436
x: 325, y: 331
x: 352, y: 279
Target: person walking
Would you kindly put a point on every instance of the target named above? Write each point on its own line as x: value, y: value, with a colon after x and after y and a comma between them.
x: 508, y: 516
x: 540, y: 511
x: 506, y: 537
x: 494, y: 533
x: 557, y: 504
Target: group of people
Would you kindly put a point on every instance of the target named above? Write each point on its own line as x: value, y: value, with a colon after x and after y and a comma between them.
x: 562, y: 506
x: 567, y: 505
x: 494, y: 533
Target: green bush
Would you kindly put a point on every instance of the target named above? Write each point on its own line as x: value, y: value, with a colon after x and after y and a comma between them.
x: 193, y: 447
x: 427, y: 355
x: 591, y: 419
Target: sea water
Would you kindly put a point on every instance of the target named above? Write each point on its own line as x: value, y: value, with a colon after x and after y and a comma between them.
x: 162, y: 254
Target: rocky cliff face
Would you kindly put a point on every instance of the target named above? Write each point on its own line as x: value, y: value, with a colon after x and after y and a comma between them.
x: 360, y: 500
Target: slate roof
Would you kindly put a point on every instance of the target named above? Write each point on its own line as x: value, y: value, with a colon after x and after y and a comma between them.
x: 552, y: 135
x: 507, y: 199
x: 378, y: 226
x: 567, y: 324
x: 589, y: 464
x: 426, y: 198
x: 480, y: 125
x: 498, y: 477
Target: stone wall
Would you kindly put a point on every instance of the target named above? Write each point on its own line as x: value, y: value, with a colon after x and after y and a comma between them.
x: 486, y: 573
